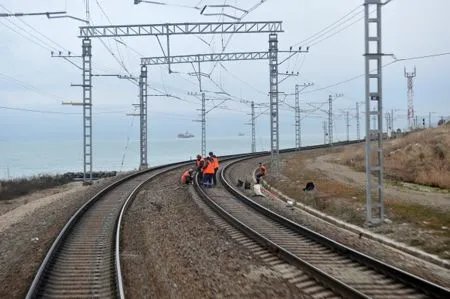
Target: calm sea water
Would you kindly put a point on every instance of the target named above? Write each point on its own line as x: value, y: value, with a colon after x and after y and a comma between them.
x: 27, y: 158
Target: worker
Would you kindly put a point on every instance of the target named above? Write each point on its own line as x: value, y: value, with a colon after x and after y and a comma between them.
x: 186, y: 177
x: 199, y: 163
x: 208, y: 172
x: 261, y: 172
x: 216, y: 166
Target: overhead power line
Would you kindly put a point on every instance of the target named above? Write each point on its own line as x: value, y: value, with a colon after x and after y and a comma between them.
x: 383, y: 66
x: 329, y: 27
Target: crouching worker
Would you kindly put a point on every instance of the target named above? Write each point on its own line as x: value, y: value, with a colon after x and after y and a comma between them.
x: 261, y: 172
x: 186, y: 177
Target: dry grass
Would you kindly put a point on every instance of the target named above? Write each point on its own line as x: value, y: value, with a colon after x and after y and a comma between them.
x: 421, y: 157
x: 347, y: 202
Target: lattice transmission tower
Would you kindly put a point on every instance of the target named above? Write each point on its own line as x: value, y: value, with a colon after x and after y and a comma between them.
x: 410, y: 79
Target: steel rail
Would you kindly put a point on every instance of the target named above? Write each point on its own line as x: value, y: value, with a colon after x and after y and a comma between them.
x: 66, y: 230
x: 336, y: 285
x: 431, y: 289
x: 54, y: 250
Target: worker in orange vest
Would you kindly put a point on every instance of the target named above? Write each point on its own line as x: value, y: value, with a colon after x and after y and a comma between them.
x: 199, y: 164
x: 208, y: 172
x: 261, y: 172
x: 186, y: 177
x: 216, y: 166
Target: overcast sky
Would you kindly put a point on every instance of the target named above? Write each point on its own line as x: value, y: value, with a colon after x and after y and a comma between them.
x: 31, y: 79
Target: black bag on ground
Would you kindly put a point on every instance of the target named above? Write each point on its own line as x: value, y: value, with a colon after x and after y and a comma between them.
x: 309, y: 186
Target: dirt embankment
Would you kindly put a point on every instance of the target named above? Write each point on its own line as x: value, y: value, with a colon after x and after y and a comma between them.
x: 421, y: 157
x: 420, y: 216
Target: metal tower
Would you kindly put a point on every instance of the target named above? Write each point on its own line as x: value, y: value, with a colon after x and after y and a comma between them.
x: 325, y: 133
x: 348, y: 126
x: 330, y: 120
x: 298, y: 125
x: 358, y: 131
x: 203, y: 124
x: 87, y: 109
x: 410, y: 79
x: 253, y: 128
x: 273, y: 94
x: 374, y: 137
x: 143, y: 117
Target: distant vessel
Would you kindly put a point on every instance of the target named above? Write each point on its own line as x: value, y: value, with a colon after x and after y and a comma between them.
x: 241, y: 134
x: 185, y: 135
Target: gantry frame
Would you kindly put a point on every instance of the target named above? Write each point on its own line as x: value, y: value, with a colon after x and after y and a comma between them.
x: 89, y: 32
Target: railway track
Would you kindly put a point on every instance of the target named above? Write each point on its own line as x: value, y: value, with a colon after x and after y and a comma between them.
x: 83, y: 261
x: 334, y: 270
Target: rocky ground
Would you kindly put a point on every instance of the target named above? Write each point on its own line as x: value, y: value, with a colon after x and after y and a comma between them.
x: 172, y: 250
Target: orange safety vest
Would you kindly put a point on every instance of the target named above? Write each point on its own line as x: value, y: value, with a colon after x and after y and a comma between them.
x: 184, y: 176
x: 216, y: 162
x: 262, y: 170
x: 209, y: 169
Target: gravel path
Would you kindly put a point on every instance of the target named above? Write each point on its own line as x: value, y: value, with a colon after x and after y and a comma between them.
x: 171, y: 250
x: 349, y: 176
x: 26, y: 239
x: 382, y: 252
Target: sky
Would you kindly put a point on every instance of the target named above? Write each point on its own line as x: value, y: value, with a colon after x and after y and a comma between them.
x: 30, y: 79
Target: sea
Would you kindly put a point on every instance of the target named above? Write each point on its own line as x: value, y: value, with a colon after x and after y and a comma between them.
x: 30, y: 158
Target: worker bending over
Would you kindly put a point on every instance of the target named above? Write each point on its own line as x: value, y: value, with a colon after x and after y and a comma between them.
x: 208, y: 172
x: 186, y: 177
x: 216, y: 166
x: 261, y: 172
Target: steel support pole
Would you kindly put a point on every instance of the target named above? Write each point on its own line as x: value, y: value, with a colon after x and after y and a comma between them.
x: 330, y: 120
x: 358, y: 131
x: 298, y: 128
x: 143, y: 117
x: 374, y: 137
x: 87, y: 110
x: 203, y: 124
x: 253, y: 128
x: 348, y: 126
x: 325, y: 134
x: 273, y: 93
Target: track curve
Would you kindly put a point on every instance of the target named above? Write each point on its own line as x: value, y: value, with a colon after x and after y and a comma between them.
x: 348, y: 272
x: 83, y: 261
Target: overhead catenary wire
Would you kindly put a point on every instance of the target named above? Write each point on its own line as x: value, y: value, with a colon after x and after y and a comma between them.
x: 383, y: 66
x: 329, y: 27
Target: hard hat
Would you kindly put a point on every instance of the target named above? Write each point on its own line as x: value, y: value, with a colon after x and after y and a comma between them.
x: 211, y: 153
x: 191, y: 170
x: 198, y: 156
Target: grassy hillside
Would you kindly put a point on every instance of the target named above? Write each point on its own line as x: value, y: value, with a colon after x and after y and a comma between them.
x: 421, y: 157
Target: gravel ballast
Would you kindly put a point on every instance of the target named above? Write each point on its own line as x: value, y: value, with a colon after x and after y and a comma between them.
x: 171, y: 249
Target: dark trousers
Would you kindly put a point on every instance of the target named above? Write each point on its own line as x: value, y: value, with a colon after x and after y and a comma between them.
x: 214, y: 176
x: 200, y: 175
x: 258, y: 176
x: 207, y: 179
x: 188, y: 180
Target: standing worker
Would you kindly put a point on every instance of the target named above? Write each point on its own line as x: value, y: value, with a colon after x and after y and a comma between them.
x: 208, y: 172
x: 200, y: 163
x: 216, y: 166
x: 186, y: 177
x: 261, y: 172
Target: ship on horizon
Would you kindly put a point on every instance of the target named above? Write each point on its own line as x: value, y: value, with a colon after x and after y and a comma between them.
x: 185, y: 135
